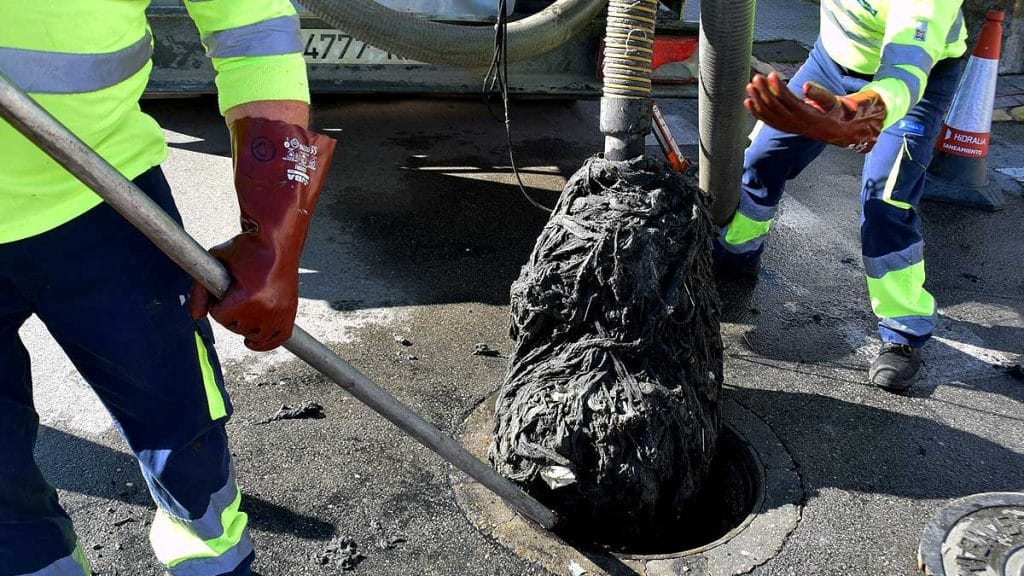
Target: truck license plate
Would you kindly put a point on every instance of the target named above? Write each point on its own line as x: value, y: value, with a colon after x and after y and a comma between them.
x: 325, y: 46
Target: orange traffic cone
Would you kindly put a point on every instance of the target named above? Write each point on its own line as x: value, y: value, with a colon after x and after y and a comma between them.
x: 958, y: 172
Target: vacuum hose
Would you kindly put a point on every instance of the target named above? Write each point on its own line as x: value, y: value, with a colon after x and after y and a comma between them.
x: 626, y: 96
x: 726, y: 38
x: 451, y: 44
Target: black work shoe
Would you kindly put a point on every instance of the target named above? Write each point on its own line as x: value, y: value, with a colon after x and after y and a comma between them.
x: 730, y: 266
x: 895, y: 367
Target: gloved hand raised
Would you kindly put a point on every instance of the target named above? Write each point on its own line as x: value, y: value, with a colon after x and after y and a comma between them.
x: 852, y: 121
x: 279, y: 170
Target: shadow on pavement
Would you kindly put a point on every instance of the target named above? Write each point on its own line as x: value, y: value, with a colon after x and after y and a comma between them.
x: 207, y: 136
x: 850, y: 446
x: 445, y: 240
x: 421, y: 206
x: 77, y: 465
x: 420, y: 210
x: 819, y: 331
x: 836, y: 444
x: 784, y: 328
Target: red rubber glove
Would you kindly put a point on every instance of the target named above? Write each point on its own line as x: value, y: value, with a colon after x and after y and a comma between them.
x: 853, y: 121
x: 279, y: 170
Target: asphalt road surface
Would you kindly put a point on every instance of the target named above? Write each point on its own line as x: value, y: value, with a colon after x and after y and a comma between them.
x: 419, y: 234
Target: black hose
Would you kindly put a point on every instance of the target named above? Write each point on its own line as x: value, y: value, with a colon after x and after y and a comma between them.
x: 726, y: 37
x: 455, y: 45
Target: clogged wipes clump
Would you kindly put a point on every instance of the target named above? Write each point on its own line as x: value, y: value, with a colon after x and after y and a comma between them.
x: 609, y: 411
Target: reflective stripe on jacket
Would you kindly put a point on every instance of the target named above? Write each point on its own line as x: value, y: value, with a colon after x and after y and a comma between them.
x: 88, y: 61
x: 897, y: 41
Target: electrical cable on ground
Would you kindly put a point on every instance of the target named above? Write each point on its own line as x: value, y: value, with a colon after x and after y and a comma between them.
x: 496, y: 81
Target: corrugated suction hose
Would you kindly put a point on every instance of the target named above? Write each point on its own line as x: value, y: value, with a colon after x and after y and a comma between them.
x: 626, y: 97
x: 451, y: 44
x: 726, y: 37
x: 628, y: 48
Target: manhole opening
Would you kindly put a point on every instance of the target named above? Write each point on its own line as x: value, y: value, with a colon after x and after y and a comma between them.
x: 732, y: 491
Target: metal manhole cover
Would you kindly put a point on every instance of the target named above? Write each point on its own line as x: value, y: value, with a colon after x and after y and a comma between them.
x: 980, y: 535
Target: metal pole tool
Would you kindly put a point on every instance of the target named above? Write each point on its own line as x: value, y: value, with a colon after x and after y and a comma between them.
x: 58, y: 142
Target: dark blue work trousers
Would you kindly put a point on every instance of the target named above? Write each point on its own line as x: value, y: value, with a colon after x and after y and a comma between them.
x: 116, y: 305
x: 892, y: 182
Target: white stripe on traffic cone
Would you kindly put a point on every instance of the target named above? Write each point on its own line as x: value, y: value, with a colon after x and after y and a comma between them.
x: 967, y: 127
x: 958, y: 172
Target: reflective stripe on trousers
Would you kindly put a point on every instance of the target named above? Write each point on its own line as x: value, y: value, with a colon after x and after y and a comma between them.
x: 161, y: 384
x: 212, y: 544
x: 43, y: 72
x: 744, y: 234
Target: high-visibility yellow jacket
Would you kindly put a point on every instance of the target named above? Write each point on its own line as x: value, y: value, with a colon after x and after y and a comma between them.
x: 896, y: 41
x: 87, y: 62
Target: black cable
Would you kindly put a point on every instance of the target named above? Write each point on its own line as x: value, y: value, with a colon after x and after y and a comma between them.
x: 496, y: 81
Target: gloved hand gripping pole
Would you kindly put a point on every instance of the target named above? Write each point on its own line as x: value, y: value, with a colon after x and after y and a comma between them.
x: 65, y: 148
x: 626, y: 96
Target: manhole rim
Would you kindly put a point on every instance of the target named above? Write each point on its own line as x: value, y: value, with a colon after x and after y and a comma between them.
x: 938, y: 529
x: 757, y: 508
x: 758, y: 539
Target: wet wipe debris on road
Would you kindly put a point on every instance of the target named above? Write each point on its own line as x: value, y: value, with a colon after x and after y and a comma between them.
x: 341, y: 552
x: 482, y: 349
x: 595, y: 416
x: 385, y: 539
x: 306, y: 410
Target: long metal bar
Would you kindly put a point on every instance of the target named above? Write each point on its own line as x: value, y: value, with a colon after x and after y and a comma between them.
x: 58, y: 142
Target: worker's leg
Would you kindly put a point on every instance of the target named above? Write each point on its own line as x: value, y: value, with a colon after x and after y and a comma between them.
x: 892, y: 184
x: 117, y: 307
x: 773, y: 158
x: 35, y: 533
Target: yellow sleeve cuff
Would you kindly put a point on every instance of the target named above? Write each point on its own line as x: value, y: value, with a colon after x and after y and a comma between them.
x: 896, y: 96
x: 253, y: 78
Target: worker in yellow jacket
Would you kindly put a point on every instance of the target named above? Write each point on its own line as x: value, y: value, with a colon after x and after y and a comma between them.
x: 128, y: 318
x: 879, y: 81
